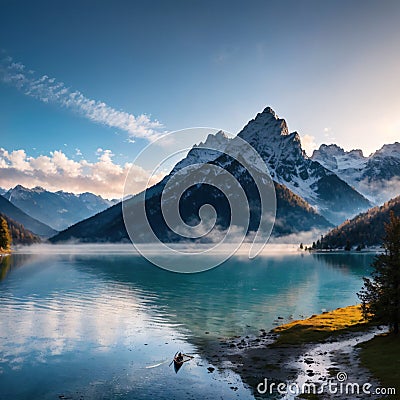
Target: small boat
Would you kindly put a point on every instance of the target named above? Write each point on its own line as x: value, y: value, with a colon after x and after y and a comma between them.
x: 179, y: 359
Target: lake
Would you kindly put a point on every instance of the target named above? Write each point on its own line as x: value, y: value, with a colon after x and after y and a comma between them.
x: 105, y: 324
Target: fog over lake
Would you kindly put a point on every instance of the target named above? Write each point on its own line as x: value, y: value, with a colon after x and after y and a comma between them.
x: 99, y: 321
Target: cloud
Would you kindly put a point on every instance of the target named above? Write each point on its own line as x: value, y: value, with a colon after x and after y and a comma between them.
x: 58, y: 172
x: 50, y: 90
x: 328, y: 135
x: 308, y: 144
x: 306, y: 237
x: 379, y: 191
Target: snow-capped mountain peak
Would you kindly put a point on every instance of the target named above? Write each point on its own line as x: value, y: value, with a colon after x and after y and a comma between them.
x: 377, y: 177
x: 388, y: 150
x: 289, y: 165
x: 56, y: 209
x: 335, y: 158
x: 202, y: 153
x: 216, y: 141
x: 266, y: 123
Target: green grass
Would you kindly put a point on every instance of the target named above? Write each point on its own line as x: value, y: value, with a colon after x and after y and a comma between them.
x: 319, y: 327
x: 381, y: 355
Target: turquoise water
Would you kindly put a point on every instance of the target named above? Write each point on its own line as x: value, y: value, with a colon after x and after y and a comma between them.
x: 89, y: 326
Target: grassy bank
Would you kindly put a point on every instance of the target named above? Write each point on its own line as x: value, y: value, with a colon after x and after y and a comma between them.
x: 319, y: 327
x: 381, y: 356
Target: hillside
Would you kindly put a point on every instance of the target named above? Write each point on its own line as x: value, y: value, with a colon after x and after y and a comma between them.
x: 59, y: 210
x: 293, y: 215
x: 19, y: 234
x: 365, y: 229
x: 302, y: 187
x: 33, y: 225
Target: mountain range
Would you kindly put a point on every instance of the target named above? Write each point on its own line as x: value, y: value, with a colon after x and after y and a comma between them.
x: 19, y: 216
x: 59, y: 209
x: 289, y: 165
x: 309, y: 196
x: 315, y: 192
x: 377, y: 176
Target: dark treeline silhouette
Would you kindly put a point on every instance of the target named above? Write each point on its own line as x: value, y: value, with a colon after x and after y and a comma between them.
x: 19, y: 234
x: 366, y: 229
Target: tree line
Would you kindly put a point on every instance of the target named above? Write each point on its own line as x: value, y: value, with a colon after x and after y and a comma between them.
x: 12, y: 232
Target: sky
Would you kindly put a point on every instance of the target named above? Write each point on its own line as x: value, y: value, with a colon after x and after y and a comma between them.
x: 86, y: 85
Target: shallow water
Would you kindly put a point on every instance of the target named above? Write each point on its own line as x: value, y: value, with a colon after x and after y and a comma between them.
x: 101, y: 326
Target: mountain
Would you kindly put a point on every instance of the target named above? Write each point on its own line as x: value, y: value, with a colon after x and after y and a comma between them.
x: 56, y: 209
x: 2, y: 191
x: 33, y: 225
x: 19, y: 234
x: 366, y: 229
x: 290, y: 166
x: 377, y: 177
x: 294, y: 214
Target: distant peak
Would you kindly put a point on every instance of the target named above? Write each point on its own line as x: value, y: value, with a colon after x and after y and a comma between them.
x: 265, y: 125
x: 221, y: 135
x: 392, y: 150
x: 335, y: 150
x: 269, y: 110
x: 332, y: 147
x: 357, y: 152
x: 215, y: 140
x: 266, y: 114
x: 38, y: 189
x: 20, y: 187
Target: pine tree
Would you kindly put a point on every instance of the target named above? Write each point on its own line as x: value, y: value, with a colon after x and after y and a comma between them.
x: 5, y: 237
x: 380, y: 295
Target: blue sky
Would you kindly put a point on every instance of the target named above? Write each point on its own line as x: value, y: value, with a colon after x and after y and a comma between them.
x: 330, y: 68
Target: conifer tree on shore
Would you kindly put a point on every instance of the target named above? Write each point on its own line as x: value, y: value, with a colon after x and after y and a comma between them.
x: 380, y: 295
x: 5, y: 237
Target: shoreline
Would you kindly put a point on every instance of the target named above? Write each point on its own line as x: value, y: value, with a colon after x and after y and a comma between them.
x: 317, y: 357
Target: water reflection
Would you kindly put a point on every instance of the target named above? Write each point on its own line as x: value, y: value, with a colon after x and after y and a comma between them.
x: 240, y: 296
x: 66, y: 330
x: 8, y: 263
x: 107, y: 317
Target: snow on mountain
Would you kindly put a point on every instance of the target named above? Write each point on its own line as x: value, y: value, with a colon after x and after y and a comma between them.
x: 377, y: 177
x: 388, y: 150
x: 56, y: 209
x: 205, y: 152
x: 290, y: 166
x: 335, y: 158
x: 299, y: 183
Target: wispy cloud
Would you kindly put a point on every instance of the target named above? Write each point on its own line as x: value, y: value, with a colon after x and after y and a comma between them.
x: 50, y: 90
x: 58, y: 172
x: 308, y: 144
